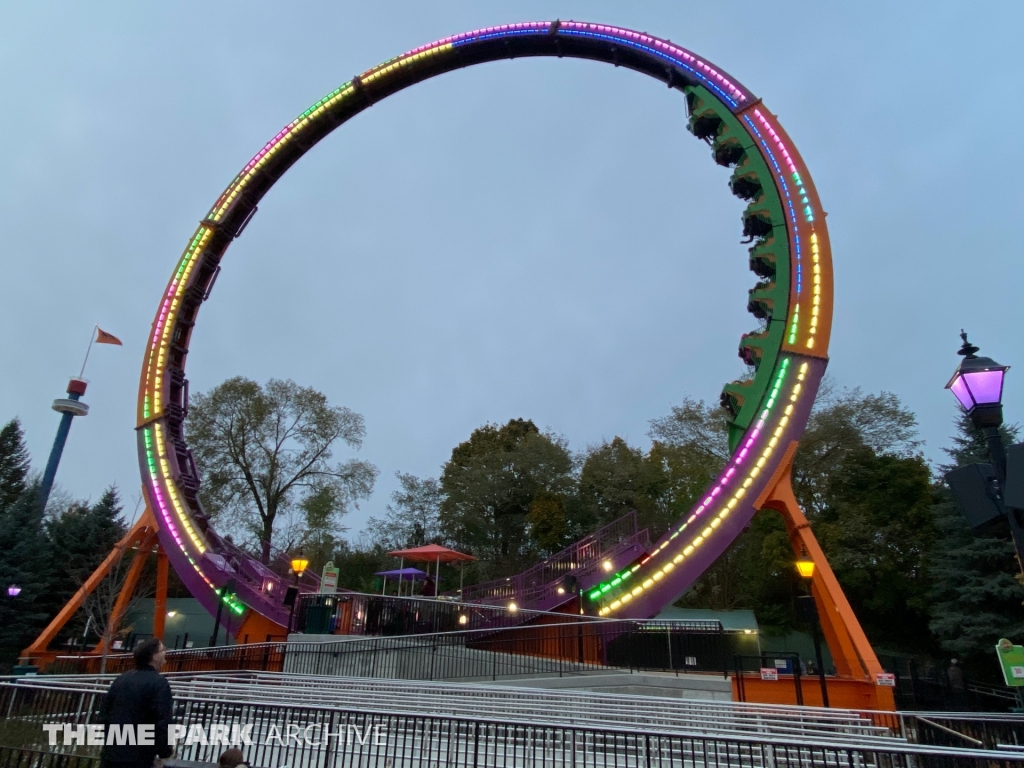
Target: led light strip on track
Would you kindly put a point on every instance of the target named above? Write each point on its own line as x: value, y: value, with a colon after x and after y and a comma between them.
x: 773, y: 410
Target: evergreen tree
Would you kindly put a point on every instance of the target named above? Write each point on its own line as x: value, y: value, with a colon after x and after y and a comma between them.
x: 26, y: 563
x: 80, y: 539
x: 14, y: 464
x: 976, y: 598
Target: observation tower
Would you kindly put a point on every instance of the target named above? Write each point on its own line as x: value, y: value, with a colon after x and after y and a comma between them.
x: 68, y: 407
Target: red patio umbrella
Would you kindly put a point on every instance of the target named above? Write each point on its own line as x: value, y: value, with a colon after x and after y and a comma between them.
x: 438, y: 554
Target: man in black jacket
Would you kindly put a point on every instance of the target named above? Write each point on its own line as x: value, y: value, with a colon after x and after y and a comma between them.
x: 139, y: 697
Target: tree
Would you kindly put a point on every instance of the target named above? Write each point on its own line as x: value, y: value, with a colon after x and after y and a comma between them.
x: 80, y: 539
x: 691, y: 445
x: 265, y: 449
x: 976, y: 597
x: 489, y: 484
x: 14, y: 464
x: 843, y: 423
x: 26, y: 563
x: 322, y: 529
x: 412, y: 518
x: 866, y: 493
x: 616, y: 479
x: 878, y: 532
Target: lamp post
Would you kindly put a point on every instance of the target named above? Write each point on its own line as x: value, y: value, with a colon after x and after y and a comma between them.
x: 299, y: 565
x: 809, y: 612
x: 222, y: 596
x: 978, y: 387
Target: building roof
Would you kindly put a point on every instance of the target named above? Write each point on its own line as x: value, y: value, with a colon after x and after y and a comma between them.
x: 730, y: 620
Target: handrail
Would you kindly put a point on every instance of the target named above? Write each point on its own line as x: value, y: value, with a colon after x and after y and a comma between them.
x: 568, y: 560
x: 439, y: 733
x: 950, y: 730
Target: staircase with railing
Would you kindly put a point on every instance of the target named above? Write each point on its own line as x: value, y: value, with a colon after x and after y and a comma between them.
x: 543, y: 587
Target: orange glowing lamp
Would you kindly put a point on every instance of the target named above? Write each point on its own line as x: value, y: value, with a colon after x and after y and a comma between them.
x: 299, y: 564
x: 805, y: 567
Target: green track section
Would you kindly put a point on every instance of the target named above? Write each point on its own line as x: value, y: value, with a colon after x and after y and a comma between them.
x: 765, y: 221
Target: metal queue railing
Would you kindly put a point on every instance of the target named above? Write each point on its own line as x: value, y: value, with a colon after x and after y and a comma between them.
x: 498, y: 702
x: 329, y: 737
x: 359, y: 613
x: 563, y: 648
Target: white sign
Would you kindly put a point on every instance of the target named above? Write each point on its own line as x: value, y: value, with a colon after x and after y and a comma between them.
x: 329, y: 579
x: 769, y: 673
x: 781, y: 663
x: 1017, y: 672
x: 885, y: 679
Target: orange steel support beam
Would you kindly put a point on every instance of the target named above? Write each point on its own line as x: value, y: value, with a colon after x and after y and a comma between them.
x: 130, y: 580
x: 143, y: 530
x: 160, y: 601
x: 851, y: 651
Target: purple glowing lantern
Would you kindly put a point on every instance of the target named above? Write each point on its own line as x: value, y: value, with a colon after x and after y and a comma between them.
x: 13, y: 591
x: 978, y: 386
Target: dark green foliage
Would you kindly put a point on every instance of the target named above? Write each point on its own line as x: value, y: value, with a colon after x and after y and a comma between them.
x: 357, y: 566
x: 616, y: 479
x: 80, y: 538
x: 976, y: 597
x: 14, y: 464
x: 26, y: 562
x: 489, y: 485
x: 878, y: 532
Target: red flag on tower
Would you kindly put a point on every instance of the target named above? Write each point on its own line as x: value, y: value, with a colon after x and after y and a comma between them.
x: 102, y: 337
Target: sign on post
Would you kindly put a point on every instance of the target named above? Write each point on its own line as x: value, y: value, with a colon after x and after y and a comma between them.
x: 329, y: 579
x: 885, y: 679
x: 1011, y: 661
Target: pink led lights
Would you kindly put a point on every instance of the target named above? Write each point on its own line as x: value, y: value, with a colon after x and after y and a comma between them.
x: 778, y: 140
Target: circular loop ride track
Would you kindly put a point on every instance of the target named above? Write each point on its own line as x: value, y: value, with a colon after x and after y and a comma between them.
x: 788, y: 351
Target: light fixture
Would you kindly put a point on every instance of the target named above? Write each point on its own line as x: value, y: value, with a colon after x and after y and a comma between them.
x: 171, y: 614
x: 561, y: 590
x: 512, y: 607
x: 13, y: 591
x: 299, y: 565
x: 748, y: 631
x: 978, y: 386
x: 463, y: 619
x: 805, y: 567
x: 607, y: 564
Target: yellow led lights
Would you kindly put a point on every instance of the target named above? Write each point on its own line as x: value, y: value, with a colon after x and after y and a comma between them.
x: 311, y: 115
x: 162, y: 328
x: 179, y: 510
x: 723, y: 512
x: 816, y: 274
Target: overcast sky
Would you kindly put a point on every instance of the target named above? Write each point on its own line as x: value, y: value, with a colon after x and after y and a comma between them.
x: 529, y: 238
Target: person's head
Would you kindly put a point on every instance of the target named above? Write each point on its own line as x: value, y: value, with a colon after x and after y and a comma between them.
x: 150, y: 653
x: 231, y: 758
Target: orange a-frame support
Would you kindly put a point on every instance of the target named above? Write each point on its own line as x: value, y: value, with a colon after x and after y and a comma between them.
x: 854, y: 659
x: 142, y: 538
